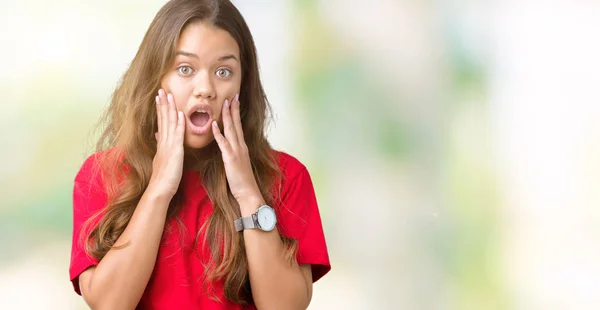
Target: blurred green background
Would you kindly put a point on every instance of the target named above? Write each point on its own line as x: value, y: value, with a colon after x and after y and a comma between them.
x: 454, y: 145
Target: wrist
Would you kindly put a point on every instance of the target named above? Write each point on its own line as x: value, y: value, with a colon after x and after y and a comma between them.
x: 249, y: 204
x: 155, y: 193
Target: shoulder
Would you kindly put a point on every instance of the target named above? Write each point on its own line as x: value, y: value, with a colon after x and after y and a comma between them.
x: 88, y: 181
x: 89, y: 168
x: 295, y: 182
x: 290, y: 166
x: 93, y: 168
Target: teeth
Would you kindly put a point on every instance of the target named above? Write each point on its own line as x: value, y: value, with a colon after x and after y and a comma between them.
x: 201, y: 111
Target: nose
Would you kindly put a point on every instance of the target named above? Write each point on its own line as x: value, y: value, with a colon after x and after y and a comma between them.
x: 203, y: 85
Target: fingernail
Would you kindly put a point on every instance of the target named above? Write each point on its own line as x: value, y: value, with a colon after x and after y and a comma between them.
x: 226, y: 103
x: 157, y: 100
x: 170, y: 97
x: 237, y: 98
x: 214, y: 123
x: 161, y: 92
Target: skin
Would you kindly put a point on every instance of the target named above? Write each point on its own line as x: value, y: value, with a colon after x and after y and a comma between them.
x: 119, y: 280
x: 206, y: 70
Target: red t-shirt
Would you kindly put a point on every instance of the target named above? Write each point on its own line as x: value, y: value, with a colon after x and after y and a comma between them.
x: 176, y: 279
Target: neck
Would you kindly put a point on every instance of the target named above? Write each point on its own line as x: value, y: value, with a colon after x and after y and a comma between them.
x: 195, y: 158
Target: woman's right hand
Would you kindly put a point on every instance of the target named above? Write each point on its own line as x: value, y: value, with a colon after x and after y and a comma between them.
x: 167, y: 166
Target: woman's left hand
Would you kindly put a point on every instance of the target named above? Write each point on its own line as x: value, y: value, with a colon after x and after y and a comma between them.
x: 238, y: 167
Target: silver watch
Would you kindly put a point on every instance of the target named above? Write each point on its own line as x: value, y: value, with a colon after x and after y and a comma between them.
x: 264, y: 219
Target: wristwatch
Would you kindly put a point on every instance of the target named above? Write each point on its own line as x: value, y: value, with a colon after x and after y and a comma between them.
x: 264, y: 219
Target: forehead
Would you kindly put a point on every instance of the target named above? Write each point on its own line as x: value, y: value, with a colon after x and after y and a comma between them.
x: 207, y: 41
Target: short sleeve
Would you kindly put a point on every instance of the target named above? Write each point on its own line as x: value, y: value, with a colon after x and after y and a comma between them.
x: 89, y: 198
x: 299, y: 218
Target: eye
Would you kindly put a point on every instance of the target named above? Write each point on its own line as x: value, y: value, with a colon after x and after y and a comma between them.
x: 185, y: 70
x: 223, y: 72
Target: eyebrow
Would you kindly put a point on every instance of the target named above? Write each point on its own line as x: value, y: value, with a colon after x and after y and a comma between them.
x: 192, y: 55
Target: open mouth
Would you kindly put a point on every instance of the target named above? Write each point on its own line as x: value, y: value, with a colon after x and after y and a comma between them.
x: 199, y: 118
x: 199, y: 121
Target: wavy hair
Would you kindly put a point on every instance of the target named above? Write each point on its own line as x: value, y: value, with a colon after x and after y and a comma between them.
x: 127, y: 142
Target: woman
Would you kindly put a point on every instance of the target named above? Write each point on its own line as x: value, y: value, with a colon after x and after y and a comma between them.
x: 185, y: 205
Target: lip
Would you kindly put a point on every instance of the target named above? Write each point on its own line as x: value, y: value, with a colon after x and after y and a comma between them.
x: 195, y: 129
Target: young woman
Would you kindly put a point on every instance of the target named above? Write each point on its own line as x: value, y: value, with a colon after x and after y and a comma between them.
x: 185, y: 205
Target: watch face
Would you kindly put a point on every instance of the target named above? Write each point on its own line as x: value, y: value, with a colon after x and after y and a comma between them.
x: 266, y: 218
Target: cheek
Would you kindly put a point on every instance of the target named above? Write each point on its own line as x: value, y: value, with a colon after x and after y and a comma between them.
x: 228, y: 88
x: 179, y: 90
x: 227, y: 91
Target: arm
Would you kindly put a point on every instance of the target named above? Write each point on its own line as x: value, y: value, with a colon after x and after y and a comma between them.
x: 120, y: 278
x: 276, y: 284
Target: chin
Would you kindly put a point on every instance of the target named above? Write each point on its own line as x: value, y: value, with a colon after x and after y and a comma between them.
x: 198, y: 142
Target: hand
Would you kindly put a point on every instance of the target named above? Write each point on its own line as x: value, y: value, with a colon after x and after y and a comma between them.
x: 167, y: 166
x: 236, y: 158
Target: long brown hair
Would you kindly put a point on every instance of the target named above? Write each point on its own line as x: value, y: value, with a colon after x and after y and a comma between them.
x: 128, y: 142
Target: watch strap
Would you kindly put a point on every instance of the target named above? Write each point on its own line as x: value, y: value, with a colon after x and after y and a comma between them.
x: 245, y: 223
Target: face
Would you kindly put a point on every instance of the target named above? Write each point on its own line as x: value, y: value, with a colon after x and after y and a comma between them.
x: 206, y: 71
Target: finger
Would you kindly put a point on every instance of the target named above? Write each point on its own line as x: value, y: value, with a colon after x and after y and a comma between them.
x: 158, y: 118
x: 221, y: 141
x: 237, y: 119
x: 164, y: 114
x: 180, y: 130
x: 172, y: 116
x: 228, y: 129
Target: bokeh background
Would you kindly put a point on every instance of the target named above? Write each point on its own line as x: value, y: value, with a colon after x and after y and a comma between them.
x: 454, y: 145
